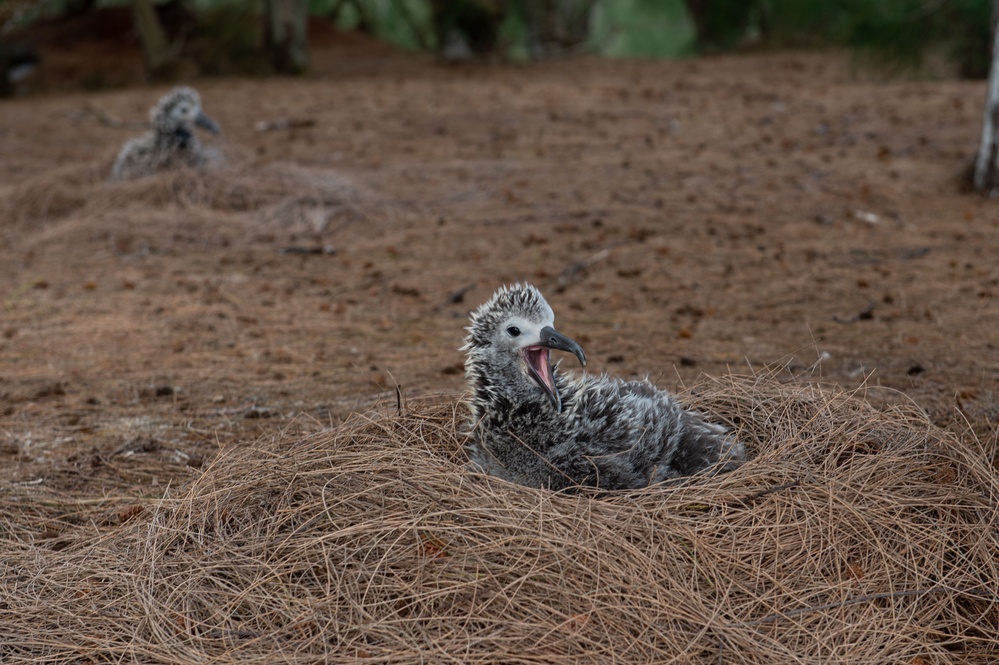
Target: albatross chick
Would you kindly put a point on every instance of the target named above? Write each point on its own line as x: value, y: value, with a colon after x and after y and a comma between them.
x: 171, y: 141
x: 533, y: 425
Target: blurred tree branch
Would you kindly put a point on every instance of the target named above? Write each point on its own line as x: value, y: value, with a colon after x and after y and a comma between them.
x: 287, y: 34
x: 161, y: 59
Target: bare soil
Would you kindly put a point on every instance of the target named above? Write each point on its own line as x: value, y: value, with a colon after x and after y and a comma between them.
x: 705, y: 216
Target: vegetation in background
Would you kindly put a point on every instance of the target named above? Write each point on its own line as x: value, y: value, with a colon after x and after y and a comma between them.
x: 286, y: 35
x: 894, y: 33
x: 159, y: 53
x: 406, y: 23
x: 233, y: 35
x: 900, y: 34
x: 229, y: 38
x: 722, y: 24
x: 643, y: 28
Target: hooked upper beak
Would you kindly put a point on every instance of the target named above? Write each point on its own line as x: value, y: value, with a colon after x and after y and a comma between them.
x: 205, y: 122
x: 553, y: 339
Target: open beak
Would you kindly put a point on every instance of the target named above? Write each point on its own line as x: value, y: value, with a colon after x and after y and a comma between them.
x: 207, y: 123
x: 539, y: 362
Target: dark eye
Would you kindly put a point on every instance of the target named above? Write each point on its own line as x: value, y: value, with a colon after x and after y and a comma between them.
x: 513, y: 331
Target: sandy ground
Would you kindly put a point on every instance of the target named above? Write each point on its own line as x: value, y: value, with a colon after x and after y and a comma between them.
x: 712, y: 216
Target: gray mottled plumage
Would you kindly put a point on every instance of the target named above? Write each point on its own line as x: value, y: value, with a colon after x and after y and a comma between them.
x: 171, y: 141
x: 532, y: 425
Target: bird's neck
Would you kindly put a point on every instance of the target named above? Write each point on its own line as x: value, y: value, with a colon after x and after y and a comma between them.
x: 178, y: 137
x: 500, y: 392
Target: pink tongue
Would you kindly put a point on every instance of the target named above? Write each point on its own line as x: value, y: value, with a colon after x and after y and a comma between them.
x: 541, y: 359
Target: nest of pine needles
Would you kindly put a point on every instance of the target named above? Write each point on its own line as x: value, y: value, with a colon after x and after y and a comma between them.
x: 279, y: 195
x: 853, y: 535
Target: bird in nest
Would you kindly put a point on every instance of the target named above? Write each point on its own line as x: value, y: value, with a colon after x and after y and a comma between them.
x: 171, y: 141
x: 533, y: 425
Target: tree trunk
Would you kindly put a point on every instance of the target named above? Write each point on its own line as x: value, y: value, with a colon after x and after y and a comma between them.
x: 287, y: 35
x: 159, y: 56
x: 986, y: 177
x: 720, y: 24
x: 5, y: 87
x: 556, y: 26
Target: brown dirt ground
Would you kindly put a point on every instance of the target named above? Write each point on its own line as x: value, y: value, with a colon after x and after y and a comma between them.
x: 702, y: 216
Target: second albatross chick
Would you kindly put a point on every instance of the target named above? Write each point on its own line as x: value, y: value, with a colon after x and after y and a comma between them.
x: 532, y: 425
x: 171, y: 141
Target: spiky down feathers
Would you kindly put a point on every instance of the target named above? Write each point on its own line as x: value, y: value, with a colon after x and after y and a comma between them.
x: 171, y: 141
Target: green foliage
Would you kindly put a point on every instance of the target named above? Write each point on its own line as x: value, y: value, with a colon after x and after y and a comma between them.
x: 894, y: 33
x: 899, y: 32
x: 799, y: 23
x: 229, y: 40
x: 972, y: 23
x: 644, y: 28
x: 478, y: 21
x: 513, y: 32
x: 406, y: 23
x: 721, y: 24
